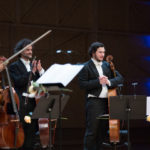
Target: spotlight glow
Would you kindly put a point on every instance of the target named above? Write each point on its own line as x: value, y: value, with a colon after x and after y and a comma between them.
x: 58, y: 51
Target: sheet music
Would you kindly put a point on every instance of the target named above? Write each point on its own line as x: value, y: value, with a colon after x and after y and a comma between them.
x: 58, y: 73
x: 148, y: 106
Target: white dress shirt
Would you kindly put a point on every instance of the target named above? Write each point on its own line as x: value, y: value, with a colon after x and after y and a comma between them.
x: 104, y: 92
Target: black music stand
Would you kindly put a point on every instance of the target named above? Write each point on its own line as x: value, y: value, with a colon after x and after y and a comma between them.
x: 128, y: 107
x: 56, y: 78
x: 50, y: 107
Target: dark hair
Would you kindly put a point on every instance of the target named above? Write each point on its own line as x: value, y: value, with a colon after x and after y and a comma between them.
x: 94, y: 46
x: 21, y: 44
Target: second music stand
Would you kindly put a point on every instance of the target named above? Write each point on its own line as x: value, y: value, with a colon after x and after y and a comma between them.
x: 128, y: 107
x: 50, y: 107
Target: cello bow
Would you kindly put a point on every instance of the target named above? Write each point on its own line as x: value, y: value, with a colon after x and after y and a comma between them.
x: 23, y: 49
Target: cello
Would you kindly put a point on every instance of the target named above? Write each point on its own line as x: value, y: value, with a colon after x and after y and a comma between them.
x: 11, y: 131
x: 114, y: 124
x: 46, y: 132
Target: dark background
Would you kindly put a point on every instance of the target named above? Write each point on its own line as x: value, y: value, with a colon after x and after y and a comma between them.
x: 122, y: 25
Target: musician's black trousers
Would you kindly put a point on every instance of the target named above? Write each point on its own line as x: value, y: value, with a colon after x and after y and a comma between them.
x: 29, y: 129
x: 96, y: 129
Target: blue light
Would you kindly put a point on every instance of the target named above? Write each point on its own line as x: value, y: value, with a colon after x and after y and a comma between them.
x: 147, y: 58
x: 147, y: 84
x: 69, y: 51
x: 142, y: 41
x: 147, y: 40
x: 144, y: 2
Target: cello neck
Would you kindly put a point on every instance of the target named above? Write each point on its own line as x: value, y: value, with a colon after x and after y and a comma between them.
x: 11, y: 94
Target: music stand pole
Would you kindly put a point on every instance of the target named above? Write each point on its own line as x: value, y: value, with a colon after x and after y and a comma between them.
x: 43, y: 110
x: 128, y: 110
x: 60, y: 123
x: 50, y: 135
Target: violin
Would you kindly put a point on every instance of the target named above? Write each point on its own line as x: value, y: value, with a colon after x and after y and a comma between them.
x: 114, y: 124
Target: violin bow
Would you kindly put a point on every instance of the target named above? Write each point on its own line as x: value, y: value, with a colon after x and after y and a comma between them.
x: 35, y: 41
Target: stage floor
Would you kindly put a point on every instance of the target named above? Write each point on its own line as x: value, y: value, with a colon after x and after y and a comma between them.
x: 72, y: 139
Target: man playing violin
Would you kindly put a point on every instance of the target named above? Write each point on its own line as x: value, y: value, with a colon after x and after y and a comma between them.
x: 21, y: 72
x: 96, y: 78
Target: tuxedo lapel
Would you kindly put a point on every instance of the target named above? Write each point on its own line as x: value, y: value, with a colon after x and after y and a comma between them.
x: 105, y: 69
x: 21, y: 66
x: 93, y: 68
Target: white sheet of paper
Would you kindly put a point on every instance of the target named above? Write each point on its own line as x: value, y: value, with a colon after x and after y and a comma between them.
x: 148, y: 106
x: 58, y: 73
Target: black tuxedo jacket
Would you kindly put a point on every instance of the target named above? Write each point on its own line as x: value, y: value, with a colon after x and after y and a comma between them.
x: 20, y: 78
x: 88, y: 78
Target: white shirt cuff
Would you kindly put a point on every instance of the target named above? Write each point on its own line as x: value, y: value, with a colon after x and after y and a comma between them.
x: 109, y: 83
x: 42, y: 72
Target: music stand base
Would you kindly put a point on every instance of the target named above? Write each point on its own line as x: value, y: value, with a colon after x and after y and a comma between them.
x: 114, y: 146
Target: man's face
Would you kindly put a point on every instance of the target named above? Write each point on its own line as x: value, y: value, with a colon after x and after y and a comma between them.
x: 27, y: 54
x: 99, y: 54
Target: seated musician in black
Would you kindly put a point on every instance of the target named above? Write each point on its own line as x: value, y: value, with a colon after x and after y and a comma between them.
x: 19, y: 73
